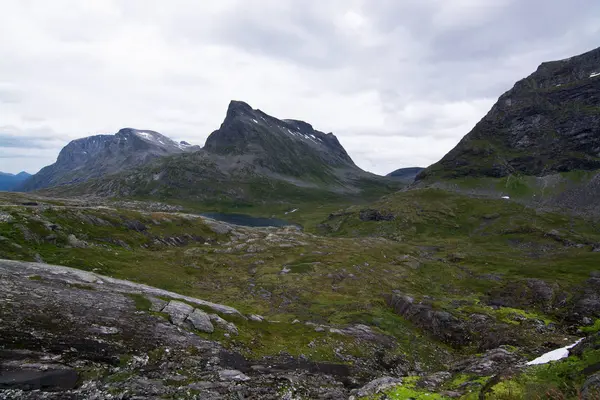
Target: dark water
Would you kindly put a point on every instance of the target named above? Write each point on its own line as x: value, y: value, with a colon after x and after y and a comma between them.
x: 247, y: 220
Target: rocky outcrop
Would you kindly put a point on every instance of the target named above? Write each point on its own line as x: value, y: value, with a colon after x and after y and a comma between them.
x: 585, y: 303
x: 375, y: 215
x: 440, y: 324
x: 69, y: 334
x: 547, y: 123
x: 529, y: 293
x: 591, y: 388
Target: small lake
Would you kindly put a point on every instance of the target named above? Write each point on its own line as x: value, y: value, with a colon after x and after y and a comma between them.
x: 248, y: 220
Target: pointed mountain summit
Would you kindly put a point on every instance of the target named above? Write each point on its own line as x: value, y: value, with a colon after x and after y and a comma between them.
x: 287, y: 146
x: 101, y: 155
x: 547, y: 123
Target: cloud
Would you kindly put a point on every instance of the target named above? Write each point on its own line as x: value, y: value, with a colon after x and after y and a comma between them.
x: 399, y: 82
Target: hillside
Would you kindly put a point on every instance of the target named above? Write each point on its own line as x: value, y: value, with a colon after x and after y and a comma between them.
x: 101, y: 155
x: 547, y: 123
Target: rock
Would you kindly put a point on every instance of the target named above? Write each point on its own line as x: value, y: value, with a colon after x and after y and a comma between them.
x: 157, y: 304
x: 45, y: 378
x: 586, y: 301
x: 256, y: 318
x: 200, y: 321
x: 434, y: 381
x: 135, y: 225
x: 38, y: 258
x: 74, y: 242
x: 218, y: 228
x: 440, y: 324
x: 5, y: 218
x: 233, y: 375
x: 375, y: 215
x: 178, y: 311
x: 526, y: 294
x: 378, y: 386
x: 223, y: 324
x: 591, y: 388
x: 490, y: 363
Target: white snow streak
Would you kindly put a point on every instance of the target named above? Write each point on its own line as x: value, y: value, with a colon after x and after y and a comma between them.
x: 554, y: 355
x: 594, y: 74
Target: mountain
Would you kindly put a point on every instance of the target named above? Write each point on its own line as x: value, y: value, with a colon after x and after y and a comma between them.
x: 406, y: 174
x: 548, y: 123
x: 251, y: 157
x: 288, y: 147
x: 101, y: 155
x: 11, y: 181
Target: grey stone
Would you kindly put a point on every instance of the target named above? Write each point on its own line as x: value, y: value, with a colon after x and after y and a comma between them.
x: 74, y: 242
x: 223, y: 324
x: 256, y: 318
x: 232, y: 375
x: 378, y: 386
x: 591, y: 388
x: 177, y: 311
x: 200, y: 321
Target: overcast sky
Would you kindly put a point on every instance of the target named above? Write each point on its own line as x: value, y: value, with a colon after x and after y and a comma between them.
x: 398, y: 81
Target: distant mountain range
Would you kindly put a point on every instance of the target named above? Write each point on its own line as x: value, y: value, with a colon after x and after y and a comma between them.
x: 406, y: 174
x: 251, y: 156
x: 11, y: 181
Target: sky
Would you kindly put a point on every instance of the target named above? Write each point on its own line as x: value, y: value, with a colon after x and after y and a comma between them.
x: 399, y: 82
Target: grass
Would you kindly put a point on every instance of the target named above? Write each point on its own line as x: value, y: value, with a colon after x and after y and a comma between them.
x: 441, y: 247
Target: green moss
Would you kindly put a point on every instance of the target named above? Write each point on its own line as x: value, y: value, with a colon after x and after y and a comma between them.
x: 141, y: 302
x: 591, y: 329
x: 35, y: 278
x: 81, y: 286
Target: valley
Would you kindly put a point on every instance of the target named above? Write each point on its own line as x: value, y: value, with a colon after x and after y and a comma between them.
x: 268, y: 265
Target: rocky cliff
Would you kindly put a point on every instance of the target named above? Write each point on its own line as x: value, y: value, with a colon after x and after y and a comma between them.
x: 547, y: 123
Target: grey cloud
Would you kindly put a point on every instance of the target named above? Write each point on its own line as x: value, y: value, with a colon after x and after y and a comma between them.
x: 399, y: 87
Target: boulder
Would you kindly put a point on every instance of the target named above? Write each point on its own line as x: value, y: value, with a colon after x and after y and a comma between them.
x: 223, y: 324
x: 377, y: 386
x: 591, y: 388
x: 233, y: 375
x: 177, y: 311
x: 200, y: 321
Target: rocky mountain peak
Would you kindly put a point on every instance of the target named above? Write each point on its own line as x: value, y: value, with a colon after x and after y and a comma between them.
x: 277, y: 144
x: 98, y: 155
x: 548, y: 122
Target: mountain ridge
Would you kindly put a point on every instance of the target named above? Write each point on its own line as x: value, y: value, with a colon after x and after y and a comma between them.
x: 547, y: 123
x: 95, y: 156
x: 252, y: 157
x: 10, y: 181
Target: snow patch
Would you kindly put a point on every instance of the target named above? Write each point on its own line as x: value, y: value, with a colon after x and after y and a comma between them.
x: 255, y: 121
x: 506, y: 197
x: 554, y: 355
x: 594, y: 74
x: 146, y: 135
x: 292, y: 211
